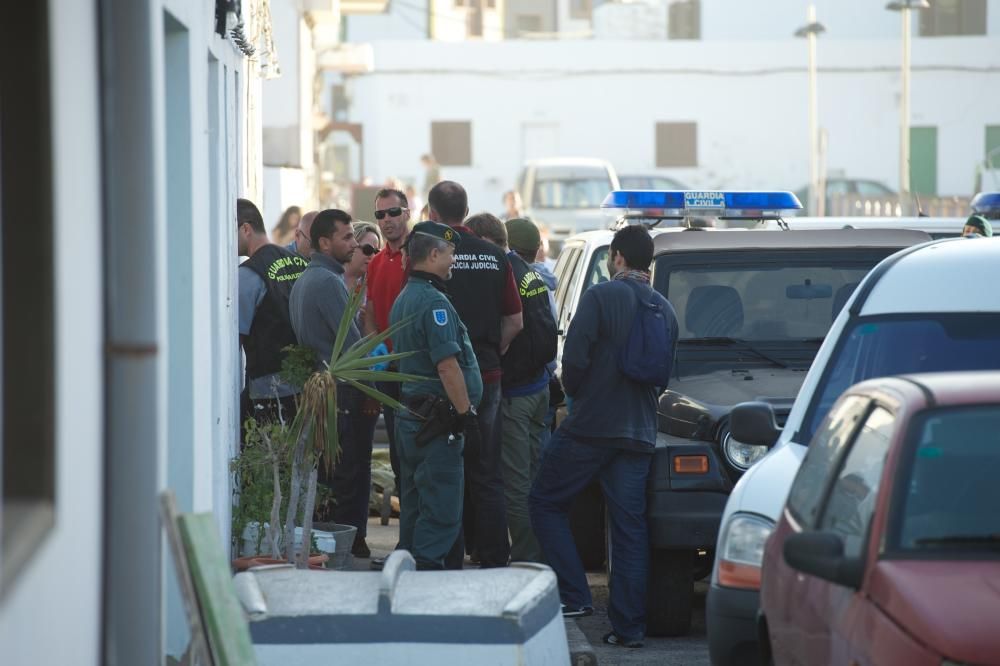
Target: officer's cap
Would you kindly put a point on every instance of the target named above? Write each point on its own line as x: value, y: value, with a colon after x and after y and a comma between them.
x: 437, y: 230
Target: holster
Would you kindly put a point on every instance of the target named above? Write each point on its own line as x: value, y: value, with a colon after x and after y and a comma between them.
x: 436, y: 413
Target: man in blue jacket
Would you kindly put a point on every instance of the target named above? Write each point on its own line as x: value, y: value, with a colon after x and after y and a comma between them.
x: 609, y: 434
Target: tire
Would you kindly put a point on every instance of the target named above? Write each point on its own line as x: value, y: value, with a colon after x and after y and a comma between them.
x: 671, y: 592
x: 703, y: 565
x: 586, y: 520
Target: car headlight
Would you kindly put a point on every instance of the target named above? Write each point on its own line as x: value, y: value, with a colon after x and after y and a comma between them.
x: 740, y: 455
x: 743, y: 551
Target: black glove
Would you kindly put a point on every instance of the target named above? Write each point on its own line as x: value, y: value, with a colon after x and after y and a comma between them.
x: 467, y: 426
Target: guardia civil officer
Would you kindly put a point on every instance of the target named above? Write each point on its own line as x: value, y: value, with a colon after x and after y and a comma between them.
x: 441, y: 416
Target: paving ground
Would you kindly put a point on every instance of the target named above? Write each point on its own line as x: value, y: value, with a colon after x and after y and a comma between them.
x: 688, y: 651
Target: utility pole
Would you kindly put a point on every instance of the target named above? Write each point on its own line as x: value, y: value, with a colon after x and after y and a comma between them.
x: 905, y: 9
x: 810, y: 31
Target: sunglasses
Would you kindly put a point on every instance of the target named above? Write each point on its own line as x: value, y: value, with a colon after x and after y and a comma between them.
x: 369, y: 250
x: 395, y: 211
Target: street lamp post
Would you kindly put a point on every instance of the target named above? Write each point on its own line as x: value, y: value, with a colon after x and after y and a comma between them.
x: 905, y: 9
x: 810, y: 31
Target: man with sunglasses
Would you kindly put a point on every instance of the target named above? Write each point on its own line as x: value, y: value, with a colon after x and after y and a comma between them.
x: 386, y: 277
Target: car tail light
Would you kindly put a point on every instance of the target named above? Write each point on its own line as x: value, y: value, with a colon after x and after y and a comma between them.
x: 690, y: 464
x: 742, y: 551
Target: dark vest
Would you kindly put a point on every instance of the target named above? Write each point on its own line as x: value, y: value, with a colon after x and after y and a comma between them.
x: 478, y: 281
x: 535, y: 346
x: 271, y: 330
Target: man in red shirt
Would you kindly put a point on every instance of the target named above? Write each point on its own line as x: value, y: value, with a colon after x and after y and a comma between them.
x: 386, y: 277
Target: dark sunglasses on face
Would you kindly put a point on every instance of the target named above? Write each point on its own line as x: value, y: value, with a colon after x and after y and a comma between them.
x: 395, y: 211
x: 369, y: 250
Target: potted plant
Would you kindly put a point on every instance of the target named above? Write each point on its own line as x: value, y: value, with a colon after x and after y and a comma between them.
x: 292, y: 452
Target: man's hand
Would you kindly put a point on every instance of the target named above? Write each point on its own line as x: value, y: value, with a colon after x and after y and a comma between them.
x: 381, y: 350
x: 469, y: 423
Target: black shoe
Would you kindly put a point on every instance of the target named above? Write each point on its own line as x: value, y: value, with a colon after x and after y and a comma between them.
x: 378, y: 563
x: 582, y: 611
x: 360, y: 548
x: 611, y: 638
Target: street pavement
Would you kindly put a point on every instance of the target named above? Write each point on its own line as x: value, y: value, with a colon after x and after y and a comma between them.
x: 690, y: 650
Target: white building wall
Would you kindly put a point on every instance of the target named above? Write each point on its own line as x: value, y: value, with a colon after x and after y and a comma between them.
x: 749, y: 100
x: 404, y: 20
x: 51, y: 614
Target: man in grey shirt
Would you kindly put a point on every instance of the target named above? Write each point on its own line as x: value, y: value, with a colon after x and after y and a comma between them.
x: 317, y: 304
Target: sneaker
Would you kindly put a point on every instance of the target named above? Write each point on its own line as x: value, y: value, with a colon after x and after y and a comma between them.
x: 582, y: 611
x: 611, y: 638
x: 377, y: 563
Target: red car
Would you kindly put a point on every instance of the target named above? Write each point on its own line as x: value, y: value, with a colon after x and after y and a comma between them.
x: 888, y: 549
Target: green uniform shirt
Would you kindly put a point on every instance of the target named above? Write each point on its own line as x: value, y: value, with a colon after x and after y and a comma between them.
x: 434, y: 332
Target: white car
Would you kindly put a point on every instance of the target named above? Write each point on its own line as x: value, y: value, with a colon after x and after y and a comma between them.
x: 565, y: 194
x: 929, y: 308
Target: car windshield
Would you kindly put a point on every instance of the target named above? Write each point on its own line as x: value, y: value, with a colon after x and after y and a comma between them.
x: 770, y: 302
x: 905, y: 344
x: 571, y: 192
x: 947, y: 492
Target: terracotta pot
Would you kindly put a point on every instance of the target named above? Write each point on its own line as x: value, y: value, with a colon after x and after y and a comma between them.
x: 244, y: 563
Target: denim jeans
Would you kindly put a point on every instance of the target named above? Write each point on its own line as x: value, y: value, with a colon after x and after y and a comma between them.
x: 391, y: 389
x: 485, y: 518
x: 352, y: 474
x: 566, y: 467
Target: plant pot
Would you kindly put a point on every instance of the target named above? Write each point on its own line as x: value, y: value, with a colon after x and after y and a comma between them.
x: 244, y: 563
x: 341, y: 558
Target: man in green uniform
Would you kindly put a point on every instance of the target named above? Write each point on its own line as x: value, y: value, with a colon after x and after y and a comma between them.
x: 441, y: 416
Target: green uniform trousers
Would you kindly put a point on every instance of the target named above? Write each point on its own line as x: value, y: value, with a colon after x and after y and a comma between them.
x: 523, y: 424
x: 432, y: 477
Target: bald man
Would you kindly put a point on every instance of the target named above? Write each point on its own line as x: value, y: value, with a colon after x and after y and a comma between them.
x: 301, y: 244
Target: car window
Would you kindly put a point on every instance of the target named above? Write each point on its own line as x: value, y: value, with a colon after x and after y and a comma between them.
x: 824, y: 451
x: 571, y: 191
x: 851, y: 501
x: 761, y: 302
x: 947, y: 492
x: 868, y: 188
x: 568, y: 260
x: 598, y: 271
x: 901, y: 345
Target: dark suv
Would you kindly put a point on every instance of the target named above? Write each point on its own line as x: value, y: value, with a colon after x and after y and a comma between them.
x: 753, y: 308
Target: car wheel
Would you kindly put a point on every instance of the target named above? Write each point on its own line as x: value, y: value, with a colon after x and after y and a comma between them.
x: 703, y: 564
x: 671, y: 592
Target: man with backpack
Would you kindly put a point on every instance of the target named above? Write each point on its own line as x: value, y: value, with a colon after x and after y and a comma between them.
x: 525, y: 383
x: 617, y: 356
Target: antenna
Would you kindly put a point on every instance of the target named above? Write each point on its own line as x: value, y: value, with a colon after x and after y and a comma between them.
x: 920, y: 210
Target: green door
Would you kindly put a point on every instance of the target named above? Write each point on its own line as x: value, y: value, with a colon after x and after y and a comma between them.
x: 923, y: 160
x: 993, y: 144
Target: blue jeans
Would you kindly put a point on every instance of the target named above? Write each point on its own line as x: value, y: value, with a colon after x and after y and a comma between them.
x: 566, y: 468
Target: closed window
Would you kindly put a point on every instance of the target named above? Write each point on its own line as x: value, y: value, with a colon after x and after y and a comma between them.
x: 528, y: 23
x: 676, y: 144
x: 451, y: 142
x: 824, y: 451
x: 953, y: 17
x: 581, y: 9
x: 27, y: 337
x: 684, y: 20
x: 852, y: 498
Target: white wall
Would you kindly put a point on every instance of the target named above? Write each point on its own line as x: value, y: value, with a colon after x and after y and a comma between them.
x: 406, y: 19
x: 283, y: 188
x: 52, y: 612
x: 749, y: 101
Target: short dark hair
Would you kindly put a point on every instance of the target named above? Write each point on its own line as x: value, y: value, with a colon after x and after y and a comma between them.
x: 248, y: 213
x: 419, y: 247
x: 488, y: 226
x: 635, y: 245
x: 449, y: 200
x: 390, y: 192
x: 325, y: 224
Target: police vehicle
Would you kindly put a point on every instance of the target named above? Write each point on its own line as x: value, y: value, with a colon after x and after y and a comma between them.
x: 753, y: 307
x: 913, y: 313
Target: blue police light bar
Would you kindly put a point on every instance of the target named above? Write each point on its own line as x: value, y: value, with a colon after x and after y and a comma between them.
x: 687, y: 203
x: 986, y: 203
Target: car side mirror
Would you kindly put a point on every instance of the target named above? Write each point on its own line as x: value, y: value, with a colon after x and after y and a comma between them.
x: 821, y: 554
x: 754, y: 423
